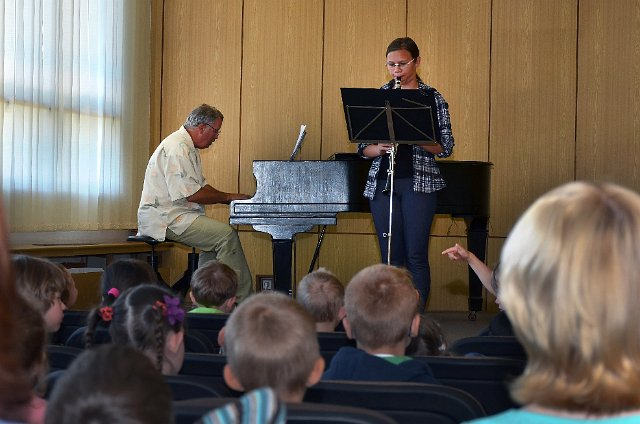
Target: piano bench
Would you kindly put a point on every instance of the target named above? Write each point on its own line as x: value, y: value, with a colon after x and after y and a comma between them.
x: 181, y: 285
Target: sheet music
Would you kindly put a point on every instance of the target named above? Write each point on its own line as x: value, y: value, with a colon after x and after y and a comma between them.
x: 298, y: 145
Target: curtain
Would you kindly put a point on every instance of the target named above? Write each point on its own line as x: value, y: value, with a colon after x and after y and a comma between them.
x: 75, y: 112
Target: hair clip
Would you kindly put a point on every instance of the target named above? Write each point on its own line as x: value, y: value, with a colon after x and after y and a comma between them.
x: 114, y: 292
x: 159, y: 306
x: 106, y: 313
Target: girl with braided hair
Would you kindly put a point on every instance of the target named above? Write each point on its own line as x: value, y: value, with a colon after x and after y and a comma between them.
x: 149, y: 318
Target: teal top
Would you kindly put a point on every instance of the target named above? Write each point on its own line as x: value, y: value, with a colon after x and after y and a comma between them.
x: 396, y: 360
x: 522, y: 416
x: 205, y: 310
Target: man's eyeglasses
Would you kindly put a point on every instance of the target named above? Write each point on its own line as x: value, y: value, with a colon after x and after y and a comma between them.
x: 217, y: 130
x: 399, y: 64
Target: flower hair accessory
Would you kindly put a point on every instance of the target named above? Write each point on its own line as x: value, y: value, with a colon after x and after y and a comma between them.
x: 114, y: 292
x: 106, y: 313
x: 171, y: 309
x: 174, y: 312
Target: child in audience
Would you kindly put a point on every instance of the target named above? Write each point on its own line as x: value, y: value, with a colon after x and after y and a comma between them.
x: 213, y: 288
x: 149, y: 318
x: 70, y: 293
x: 430, y: 341
x: 111, y: 384
x: 262, y: 405
x: 32, y: 349
x: 119, y: 276
x: 569, y: 284
x: 322, y: 295
x: 122, y: 274
x: 15, y: 388
x: 382, y: 316
x: 270, y: 340
x: 42, y: 284
x: 499, y: 325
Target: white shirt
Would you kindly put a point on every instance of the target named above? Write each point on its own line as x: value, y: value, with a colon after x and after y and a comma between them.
x: 174, y: 173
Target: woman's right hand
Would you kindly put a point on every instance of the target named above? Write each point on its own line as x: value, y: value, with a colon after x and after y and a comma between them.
x: 457, y: 253
x: 375, y: 150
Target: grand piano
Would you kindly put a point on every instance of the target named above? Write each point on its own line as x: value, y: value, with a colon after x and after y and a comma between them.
x: 294, y: 196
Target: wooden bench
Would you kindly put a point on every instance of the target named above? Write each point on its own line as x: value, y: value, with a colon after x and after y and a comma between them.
x: 57, y: 244
x: 85, y: 253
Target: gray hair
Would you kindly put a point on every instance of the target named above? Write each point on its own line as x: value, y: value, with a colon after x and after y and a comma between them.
x: 203, y: 114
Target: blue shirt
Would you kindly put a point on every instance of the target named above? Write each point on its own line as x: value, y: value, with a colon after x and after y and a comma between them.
x: 523, y: 416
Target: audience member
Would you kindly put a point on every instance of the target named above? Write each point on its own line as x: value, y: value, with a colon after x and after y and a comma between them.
x: 271, y: 341
x: 382, y: 316
x: 458, y: 253
x: 15, y: 386
x: 430, y: 341
x: 499, y: 324
x: 149, y: 318
x: 322, y: 295
x: 119, y: 276
x: 569, y: 283
x: 70, y: 293
x: 33, y: 358
x: 262, y: 405
x: 42, y: 284
x: 111, y: 384
x: 213, y: 288
x: 122, y: 274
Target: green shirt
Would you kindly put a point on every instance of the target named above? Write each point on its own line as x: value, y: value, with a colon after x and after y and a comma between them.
x: 205, y: 310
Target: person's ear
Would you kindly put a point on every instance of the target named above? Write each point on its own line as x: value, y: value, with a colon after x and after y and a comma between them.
x: 193, y: 300
x: 231, y: 379
x: 415, y: 326
x: 417, y: 61
x: 316, y: 372
x: 228, y: 304
x: 347, y: 327
x: 342, y: 313
x: 221, y: 337
x: 175, y: 339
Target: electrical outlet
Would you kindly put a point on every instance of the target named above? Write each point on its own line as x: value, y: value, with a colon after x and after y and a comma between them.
x: 264, y: 282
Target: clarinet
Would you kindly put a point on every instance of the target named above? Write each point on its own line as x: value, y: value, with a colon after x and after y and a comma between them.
x: 392, y: 152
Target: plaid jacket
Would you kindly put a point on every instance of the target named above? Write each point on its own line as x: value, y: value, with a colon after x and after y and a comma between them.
x: 426, y: 174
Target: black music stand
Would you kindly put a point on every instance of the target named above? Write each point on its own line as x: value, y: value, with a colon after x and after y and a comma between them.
x: 392, y: 116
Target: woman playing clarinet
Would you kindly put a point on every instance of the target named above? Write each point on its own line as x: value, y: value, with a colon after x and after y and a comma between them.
x: 416, y: 177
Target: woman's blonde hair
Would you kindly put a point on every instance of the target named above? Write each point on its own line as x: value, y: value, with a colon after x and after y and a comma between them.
x: 569, y: 282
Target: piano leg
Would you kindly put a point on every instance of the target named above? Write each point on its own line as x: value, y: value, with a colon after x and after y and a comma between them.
x: 477, y: 233
x: 282, y: 260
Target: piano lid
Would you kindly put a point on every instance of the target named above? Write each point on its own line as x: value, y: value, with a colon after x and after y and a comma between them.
x: 303, y: 188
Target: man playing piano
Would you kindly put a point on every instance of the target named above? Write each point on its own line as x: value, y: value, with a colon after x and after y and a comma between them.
x: 175, y: 192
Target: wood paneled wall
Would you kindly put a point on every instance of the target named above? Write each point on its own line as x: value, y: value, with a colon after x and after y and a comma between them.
x: 548, y: 91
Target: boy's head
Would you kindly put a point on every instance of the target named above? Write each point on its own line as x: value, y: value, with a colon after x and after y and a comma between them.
x: 270, y: 340
x: 214, y: 285
x: 322, y: 295
x: 42, y: 283
x: 382, y: 307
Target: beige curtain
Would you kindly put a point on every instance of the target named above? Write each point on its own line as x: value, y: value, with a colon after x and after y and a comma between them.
x: 75, y: 112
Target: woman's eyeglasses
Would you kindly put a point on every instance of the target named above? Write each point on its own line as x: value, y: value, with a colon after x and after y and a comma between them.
x: 399, y: 64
